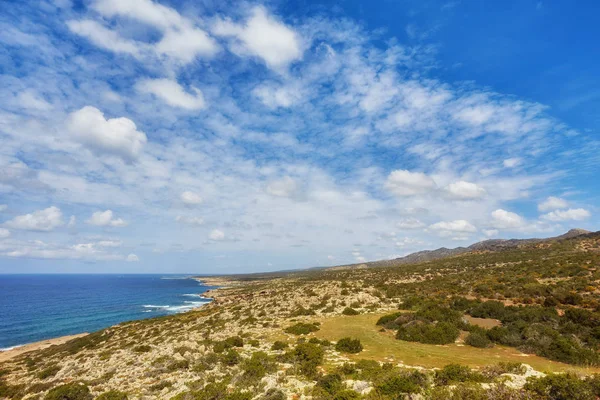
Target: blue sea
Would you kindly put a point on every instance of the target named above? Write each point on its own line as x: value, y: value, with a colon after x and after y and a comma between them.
x: 39, y: 307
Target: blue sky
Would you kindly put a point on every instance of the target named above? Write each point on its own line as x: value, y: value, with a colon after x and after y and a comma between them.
x: 219, y: 137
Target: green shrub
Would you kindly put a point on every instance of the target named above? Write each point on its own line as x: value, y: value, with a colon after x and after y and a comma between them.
x: 302, y: 328
x: 258, y: 365
x: 346, y: 395
x: 397, y: 385
x: 69, y: 391
x: 279, y: 345
x: 230, y: 358
x: 306, y: 357
x: 561, y: 387
x: 349, y: 345
x: 112, y: 395
x: 48, y: 372
x: 274, y: 394
x: 160, y: 386
x: 301, y: 311
x: 388, y: 321
x: 331, y: 383
x: 350, y: 311
x: 454, y: 373
x: 144, y: 348
x: 440, y: 333
x: 234, y: 341
x: 478, y: 339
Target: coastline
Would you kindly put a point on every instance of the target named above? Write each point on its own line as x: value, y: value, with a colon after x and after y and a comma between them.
x: 15, y: 351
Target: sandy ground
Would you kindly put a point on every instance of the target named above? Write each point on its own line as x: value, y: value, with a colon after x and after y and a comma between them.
x: 8, y: 354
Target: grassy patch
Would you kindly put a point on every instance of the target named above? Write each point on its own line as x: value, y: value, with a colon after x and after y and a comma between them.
x: 382, y: 346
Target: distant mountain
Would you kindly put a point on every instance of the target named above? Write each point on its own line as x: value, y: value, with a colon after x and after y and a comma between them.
x: 486, y: 245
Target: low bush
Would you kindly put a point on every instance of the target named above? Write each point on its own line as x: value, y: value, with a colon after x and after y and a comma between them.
x: 561, y: 387
x: 302, y: 328
x: 69, y: 391
x: 350, y: 311
x: 112, y: 395
x: 48, y: 372
x: 144, y: 348
x: 478, y: 339
x: 440, y: 333
x: 279, y: 345
x: 349, y: 345
x: 454, y: 373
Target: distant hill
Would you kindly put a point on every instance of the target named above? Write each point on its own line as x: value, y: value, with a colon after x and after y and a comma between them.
x: 486, y: 245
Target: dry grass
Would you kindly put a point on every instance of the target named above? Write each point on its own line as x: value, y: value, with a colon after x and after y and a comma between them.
x: 382, y: 346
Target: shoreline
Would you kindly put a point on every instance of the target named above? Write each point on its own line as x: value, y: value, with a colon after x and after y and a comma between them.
x: 11, y: 352
x: 15, y: 351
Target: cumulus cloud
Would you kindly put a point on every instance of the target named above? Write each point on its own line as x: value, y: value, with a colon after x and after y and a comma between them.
x: 502, y: 219
x: 105, y: 218
x: 216, y: 235
x: 197, y: 221
x: 263, y: 36
x: 4, y: 233
x: 284, y: 187
x: 116, y: 136
x: 459, y: 225
x: 182, y: 41
x: 462, y: 190
x: 191, y: 198
x: 132, y: 258
x: 172, y: 93
x: 491, y: 232
x: 572, y: 214
x: 405, y: 183
x: 91, y: 251
x: 42, y: 220
x: 410, y: 223
x: 552, y: 203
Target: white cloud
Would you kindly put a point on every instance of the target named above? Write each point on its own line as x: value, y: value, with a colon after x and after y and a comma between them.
x: 552, y: 203
x: 109, y: 243
x: 172, y: 93
x: 512, y: 162
x: 190, y: 220
x: 410, y: 223
x: 191, y: 198
x: 4, y: 233
x: 406, y: 183
x: 29, y: 99
x: 274, y: 97
x: 263, y: 36
x: 459, y: 225
x: 72, y: 221
x: 116, y: 136
x: 181, y: 40
x: 284, y: 187
x: 42, y: 220
x: 3, y: 207
x: 105, y: 218
x: 463, y: 190
x: 491, y: 232
x: 132, y: 258
x: 216, y: 234
x: 572, y: 214
x: 502, y: 219
x: 104, y: 38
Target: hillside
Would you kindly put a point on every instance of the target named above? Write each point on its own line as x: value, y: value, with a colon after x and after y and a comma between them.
x: 484, y: 324
x: 486, y: 245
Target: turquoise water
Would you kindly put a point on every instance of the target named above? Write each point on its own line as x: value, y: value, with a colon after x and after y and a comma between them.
x: 39, y: 307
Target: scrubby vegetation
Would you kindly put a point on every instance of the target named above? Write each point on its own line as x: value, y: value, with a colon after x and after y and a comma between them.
x: 268, y: 336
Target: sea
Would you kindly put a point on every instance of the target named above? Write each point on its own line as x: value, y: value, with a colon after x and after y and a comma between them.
x: 40, y: 307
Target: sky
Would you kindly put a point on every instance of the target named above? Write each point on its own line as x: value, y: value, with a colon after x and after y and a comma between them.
x: 214, y: 137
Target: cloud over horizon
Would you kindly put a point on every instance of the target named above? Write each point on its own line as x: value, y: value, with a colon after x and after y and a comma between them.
x: 182, y: 132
